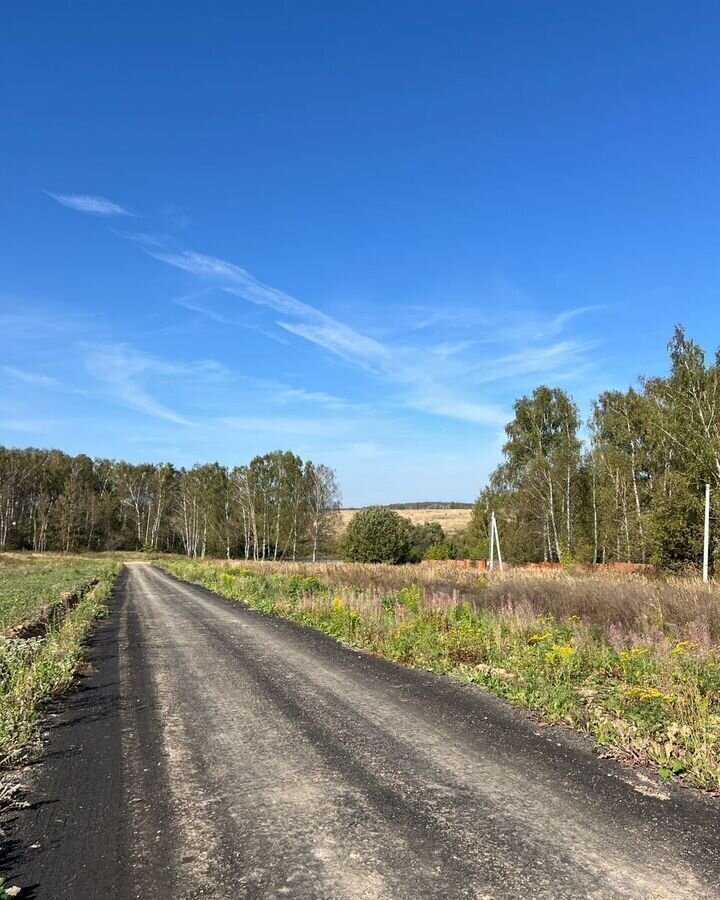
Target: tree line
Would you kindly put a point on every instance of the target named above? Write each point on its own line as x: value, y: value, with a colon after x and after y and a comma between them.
x: 275, y: 507
x: 431, y: 504
x: 632, y: 490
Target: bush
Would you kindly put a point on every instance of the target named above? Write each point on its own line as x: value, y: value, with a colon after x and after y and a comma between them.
x: 422, y: 537
x: 377, y: 535
x: 438, y: 551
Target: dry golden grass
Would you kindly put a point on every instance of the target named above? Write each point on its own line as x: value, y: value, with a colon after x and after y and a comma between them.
x: 633, y: 603
x: 452, y: 520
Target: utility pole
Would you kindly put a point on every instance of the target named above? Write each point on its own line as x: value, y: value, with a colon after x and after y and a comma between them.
x: 494, y: 541
x: 497, y: 541
x: 706, y: 543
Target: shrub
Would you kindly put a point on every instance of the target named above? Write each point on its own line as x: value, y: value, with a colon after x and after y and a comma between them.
x: 438, y: 551
x: 377, y: 535
x: 422, y: 537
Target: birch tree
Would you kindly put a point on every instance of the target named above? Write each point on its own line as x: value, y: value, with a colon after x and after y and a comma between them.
x: 322, y: 497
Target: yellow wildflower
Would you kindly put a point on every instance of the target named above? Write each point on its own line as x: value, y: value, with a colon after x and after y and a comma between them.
x: 628, y: 655
x: 539, y: 638
x: 647, y: 692
x: 561, y: 652
x: 684, y: 647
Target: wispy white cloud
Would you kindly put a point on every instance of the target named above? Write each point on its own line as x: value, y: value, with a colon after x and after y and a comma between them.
x: 36, y: 426
x: 448, y: 348
x: 192, y: 304
x: 561, y: 320
x: 294, y: 426
x: 147, y: 239
x: 316, y: 398
x: 495, y: 322
x: 397, y: 365
x: 342, y: 341
x: 45, y: 383
x: 545, y: 361
x: 124, y: 370
x: 29, y: 377
x: 311, y: 324
x: 91, y: 204
x: 440, y: 378
x: 36, y: 325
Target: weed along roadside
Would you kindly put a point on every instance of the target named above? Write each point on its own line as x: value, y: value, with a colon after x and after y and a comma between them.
x: 645, y: 683
x: 47, y: 608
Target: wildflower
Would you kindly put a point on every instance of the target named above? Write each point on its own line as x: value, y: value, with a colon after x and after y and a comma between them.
x: 629, y: 655
x: 560, y: 653
x: 647, y: 692
x: 684, y: 647
x: 338, y: 605
x: 539, y: 638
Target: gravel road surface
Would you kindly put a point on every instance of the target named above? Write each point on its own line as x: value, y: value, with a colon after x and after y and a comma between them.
x: 213, y: 751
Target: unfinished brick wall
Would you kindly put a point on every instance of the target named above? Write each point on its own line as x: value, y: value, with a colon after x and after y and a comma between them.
x: 599, y: 568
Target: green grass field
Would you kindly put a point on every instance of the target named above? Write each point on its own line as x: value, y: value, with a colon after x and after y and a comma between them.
x: 30, y: 585
x: 65, y: 595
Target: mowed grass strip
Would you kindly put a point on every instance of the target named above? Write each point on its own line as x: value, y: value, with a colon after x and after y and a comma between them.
x: 634, y: 663
x: 34, y: 670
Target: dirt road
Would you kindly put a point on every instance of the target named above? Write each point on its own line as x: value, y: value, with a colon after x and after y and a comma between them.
x: 216, y: 752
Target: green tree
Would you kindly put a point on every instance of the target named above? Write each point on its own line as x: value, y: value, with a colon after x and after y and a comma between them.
x: 542, y: 462
x: 422, y: 537
x: 377, y: 535
x: 621, y: 475
x: 676, y: 526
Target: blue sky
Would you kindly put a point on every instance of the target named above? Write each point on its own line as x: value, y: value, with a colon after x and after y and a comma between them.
x: 358, y: 231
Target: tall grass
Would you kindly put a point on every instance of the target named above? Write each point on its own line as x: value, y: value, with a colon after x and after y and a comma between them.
x: 633, y: 661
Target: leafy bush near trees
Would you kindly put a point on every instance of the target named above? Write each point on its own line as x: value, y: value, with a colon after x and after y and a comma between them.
x: 438, y: 552
x: 422, y: 538
x: 378, y: 534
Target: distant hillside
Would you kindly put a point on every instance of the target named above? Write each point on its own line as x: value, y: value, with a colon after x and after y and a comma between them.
x: 436, y: 504
x: 453, y: 517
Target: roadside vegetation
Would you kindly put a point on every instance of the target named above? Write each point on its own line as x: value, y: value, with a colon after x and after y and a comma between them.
x: 47, y: 607
x: 634, y: 662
